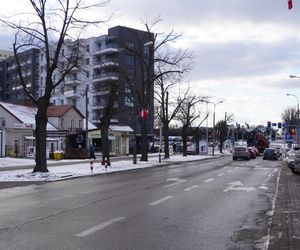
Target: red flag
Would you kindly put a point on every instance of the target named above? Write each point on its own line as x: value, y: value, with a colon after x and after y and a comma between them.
x: 144, y: 114
x: 290, y: 4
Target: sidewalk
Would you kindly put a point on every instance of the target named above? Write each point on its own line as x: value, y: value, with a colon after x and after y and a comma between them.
x: 285, y: 225
x: 18, y: 169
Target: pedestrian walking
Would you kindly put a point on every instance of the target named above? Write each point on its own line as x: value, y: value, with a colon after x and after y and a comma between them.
x: 92, y: 152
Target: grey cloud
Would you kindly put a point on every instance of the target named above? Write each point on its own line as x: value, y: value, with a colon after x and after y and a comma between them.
x: 245, y: 58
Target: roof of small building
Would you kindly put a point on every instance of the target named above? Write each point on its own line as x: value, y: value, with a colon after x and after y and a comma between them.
x: 60, y: 110
x: 24, y: 114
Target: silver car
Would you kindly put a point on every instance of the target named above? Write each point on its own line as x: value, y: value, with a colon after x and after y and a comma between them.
x: 240, y: 152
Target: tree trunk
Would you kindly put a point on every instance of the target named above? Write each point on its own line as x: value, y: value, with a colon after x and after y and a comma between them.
x: 144, y: 141
x: 166, y: 142
x: 105, y: 144
x: 184, y: 140
x: 41, y: 121
x: 221, y: 146
x: 197, y: 139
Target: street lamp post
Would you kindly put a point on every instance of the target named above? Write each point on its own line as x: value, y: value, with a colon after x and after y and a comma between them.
x: 86, y: 117
x: 214, y: 130
x: 298, y: 125
x: 206, y: 129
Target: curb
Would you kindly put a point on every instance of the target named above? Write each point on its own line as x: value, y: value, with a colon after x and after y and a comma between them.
x: 163, y: 164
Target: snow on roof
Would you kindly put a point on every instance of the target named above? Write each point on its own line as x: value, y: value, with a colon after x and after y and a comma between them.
x: 120, y: 128
x: 24, y: 114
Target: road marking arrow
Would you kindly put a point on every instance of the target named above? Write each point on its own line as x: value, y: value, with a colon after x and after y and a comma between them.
x: 175, y: 182
x: 238, y: 186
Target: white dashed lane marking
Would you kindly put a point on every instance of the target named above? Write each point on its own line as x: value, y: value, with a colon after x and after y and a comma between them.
x: 209, y: 180
x: 190, y: 188
x: 100, y: 226
x: 161, y: 200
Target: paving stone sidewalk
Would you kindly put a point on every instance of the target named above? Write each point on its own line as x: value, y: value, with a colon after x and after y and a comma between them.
x: 285, y: 226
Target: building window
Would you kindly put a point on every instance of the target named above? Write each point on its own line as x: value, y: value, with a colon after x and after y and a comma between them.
x: 130, y: 45
x: 127, y: 88
x: 74, y: 76
x: 129, y: 60
x: 87, y: 61
x: 62, y: 123
x: 128, y: 102
x: 87, y: 48
x: 72, y: 123
x: 146, y: 50
x: 80, y: 124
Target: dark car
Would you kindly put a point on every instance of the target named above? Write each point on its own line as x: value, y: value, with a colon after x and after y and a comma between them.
x: 270, y: 153
x: 240, y: 153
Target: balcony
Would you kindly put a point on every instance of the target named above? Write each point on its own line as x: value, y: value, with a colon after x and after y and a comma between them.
x: 106, y: 77
x: 98, y: 107
x: 72, y: 82
x: 101, y: 93
x: 107, y: 49
x: 109, y: 62
x: 72, y: 94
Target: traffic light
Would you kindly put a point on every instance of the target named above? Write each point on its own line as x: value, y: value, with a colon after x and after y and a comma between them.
x: 269, y: 124
x: 279, y: 125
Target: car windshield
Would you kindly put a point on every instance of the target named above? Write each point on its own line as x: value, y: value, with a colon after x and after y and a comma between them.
x: 240, y: 149
x: 270, y: 150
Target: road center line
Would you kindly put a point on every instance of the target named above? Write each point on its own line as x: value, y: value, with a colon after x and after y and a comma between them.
x: 209, y: 180
x: 161, y: 200
x: 100, y: 226
x: 221, y: 174
x: 230, y: 170
x: 190, y: 188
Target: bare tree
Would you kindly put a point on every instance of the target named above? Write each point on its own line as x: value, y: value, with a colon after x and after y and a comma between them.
x: 157, y: 62
x: 52, y: 23
x: 289, y: 115
x: 168, y: 76
x: 197, y: 133
x: 187, y: 114
x: 222, y: 126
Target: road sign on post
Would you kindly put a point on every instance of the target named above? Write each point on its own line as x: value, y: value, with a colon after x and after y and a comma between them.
x: 289, y: 138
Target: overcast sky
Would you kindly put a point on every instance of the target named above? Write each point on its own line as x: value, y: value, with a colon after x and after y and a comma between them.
x: 245, y: 50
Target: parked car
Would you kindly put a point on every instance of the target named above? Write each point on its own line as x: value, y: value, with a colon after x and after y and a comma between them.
x: 270, y: 153
x: 240, y: 152
x: 291, y: 157
x: 191, y: 148
x: 177, y: 147
x: 256, y: 151
x: 295, y: 166
x: 252, y: 152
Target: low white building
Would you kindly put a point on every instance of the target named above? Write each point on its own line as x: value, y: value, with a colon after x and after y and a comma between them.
x: 17, y: 130
x: 17, y: 124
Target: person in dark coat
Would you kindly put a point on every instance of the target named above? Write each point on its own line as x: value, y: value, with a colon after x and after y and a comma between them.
x: 92, y: 152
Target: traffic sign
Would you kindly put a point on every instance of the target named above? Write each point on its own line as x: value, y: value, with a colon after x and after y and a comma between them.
x: 289, y: 138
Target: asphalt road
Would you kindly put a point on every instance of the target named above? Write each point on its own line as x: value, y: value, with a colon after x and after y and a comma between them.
x: 212, y: 204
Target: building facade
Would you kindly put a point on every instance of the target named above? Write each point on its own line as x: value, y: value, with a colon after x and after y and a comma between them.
x: 104, y: 60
